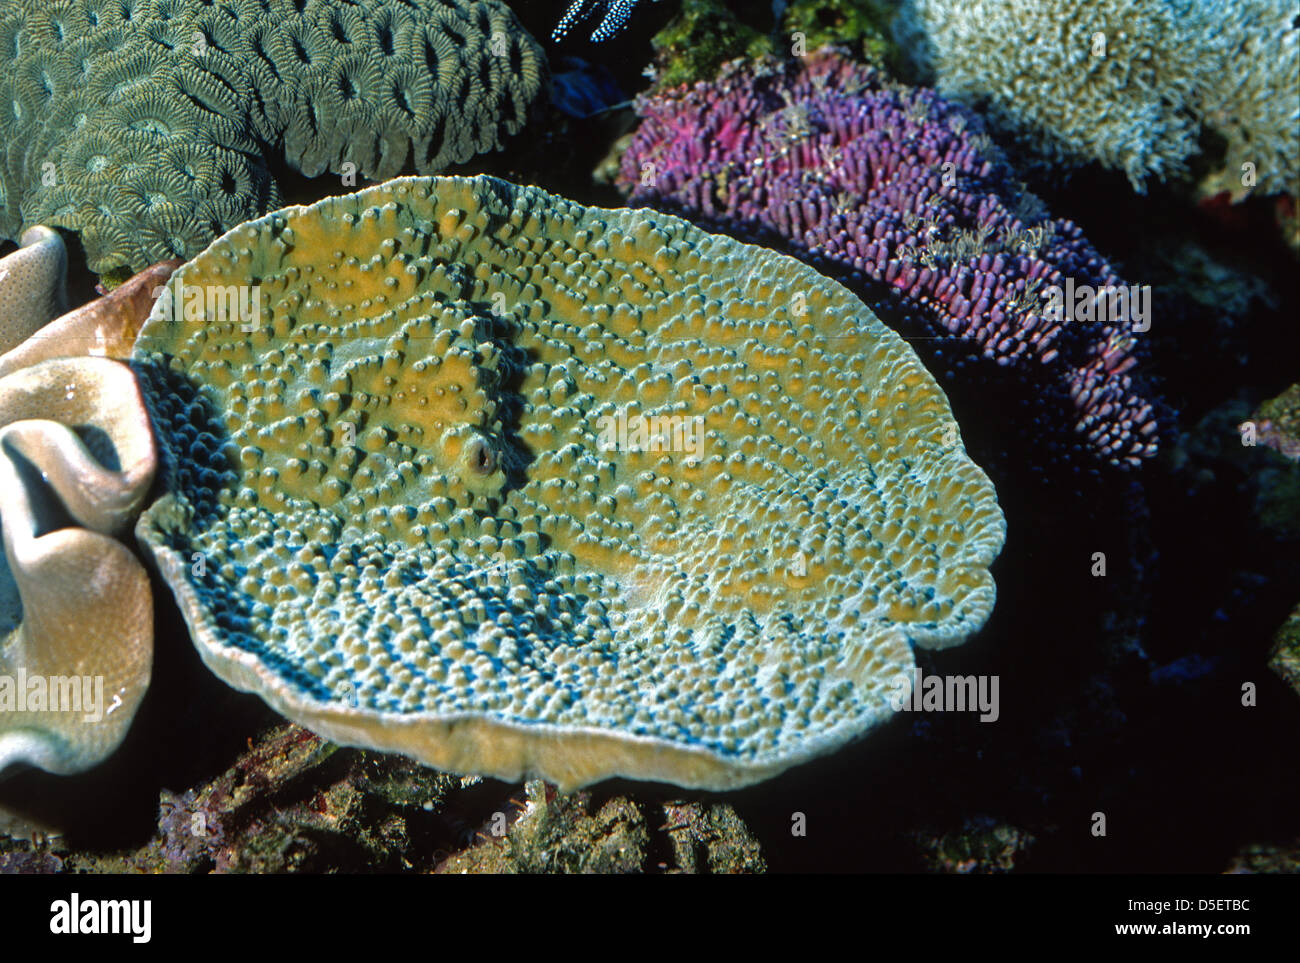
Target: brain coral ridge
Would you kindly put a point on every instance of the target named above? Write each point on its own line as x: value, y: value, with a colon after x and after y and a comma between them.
x: 152, y: 126
x: 403, y: 510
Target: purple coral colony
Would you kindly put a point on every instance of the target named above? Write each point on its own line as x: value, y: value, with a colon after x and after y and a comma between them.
x: 1070, y: 229
x: 861, y: 175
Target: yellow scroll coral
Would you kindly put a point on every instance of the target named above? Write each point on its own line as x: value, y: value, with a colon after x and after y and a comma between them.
x: 468, y: 471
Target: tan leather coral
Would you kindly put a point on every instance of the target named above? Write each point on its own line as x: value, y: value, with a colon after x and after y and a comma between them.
x: 76, y: 610
x: 102, y: 328
x: 32, y: 285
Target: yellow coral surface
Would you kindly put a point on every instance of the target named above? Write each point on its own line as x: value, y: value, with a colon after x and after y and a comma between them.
x: 472, y: 472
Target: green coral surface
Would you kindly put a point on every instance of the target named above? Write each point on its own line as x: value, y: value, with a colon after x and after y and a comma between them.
x: 1126, y: 83
x: 152, y: 126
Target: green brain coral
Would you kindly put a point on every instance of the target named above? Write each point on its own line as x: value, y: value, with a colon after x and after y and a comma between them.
x: 468, y: 471
x: 151, y: 126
